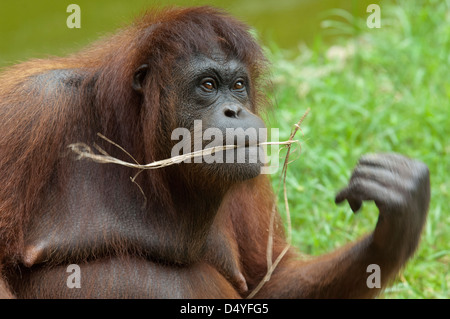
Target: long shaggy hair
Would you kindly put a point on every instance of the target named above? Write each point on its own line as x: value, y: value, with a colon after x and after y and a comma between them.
x: 46, y: 104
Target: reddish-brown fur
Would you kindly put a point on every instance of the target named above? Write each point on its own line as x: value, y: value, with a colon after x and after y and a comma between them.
x: 55, y: 210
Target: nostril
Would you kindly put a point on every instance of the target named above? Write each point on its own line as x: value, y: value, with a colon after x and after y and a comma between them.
x: 233, y: 111
x: 230, y: 113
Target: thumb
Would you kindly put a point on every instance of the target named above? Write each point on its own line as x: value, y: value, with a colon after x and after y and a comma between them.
x: 355, y: 203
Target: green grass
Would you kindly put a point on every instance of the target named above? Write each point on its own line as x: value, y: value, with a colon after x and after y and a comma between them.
x: 389, y: 93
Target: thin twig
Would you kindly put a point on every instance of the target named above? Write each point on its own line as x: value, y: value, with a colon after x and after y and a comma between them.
x: 84, y: 151
x: 118, y: 146
x: 272, y: 266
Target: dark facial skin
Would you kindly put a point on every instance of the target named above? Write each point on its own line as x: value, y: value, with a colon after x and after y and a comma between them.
x: 217, y: 90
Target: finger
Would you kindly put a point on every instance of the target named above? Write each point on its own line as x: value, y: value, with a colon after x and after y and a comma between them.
x: 345, y: 194
x: 341, y: 195
x: 392, y: 162
x: 355, y: 204
x: 382, y: 176
x: 361, y: 189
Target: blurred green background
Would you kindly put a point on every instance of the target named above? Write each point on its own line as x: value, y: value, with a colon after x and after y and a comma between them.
x: 369, y: 90
x: 38, y: 28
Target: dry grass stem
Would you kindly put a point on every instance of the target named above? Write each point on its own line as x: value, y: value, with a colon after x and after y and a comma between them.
x: 272, y: 266
x: 86, y: 152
